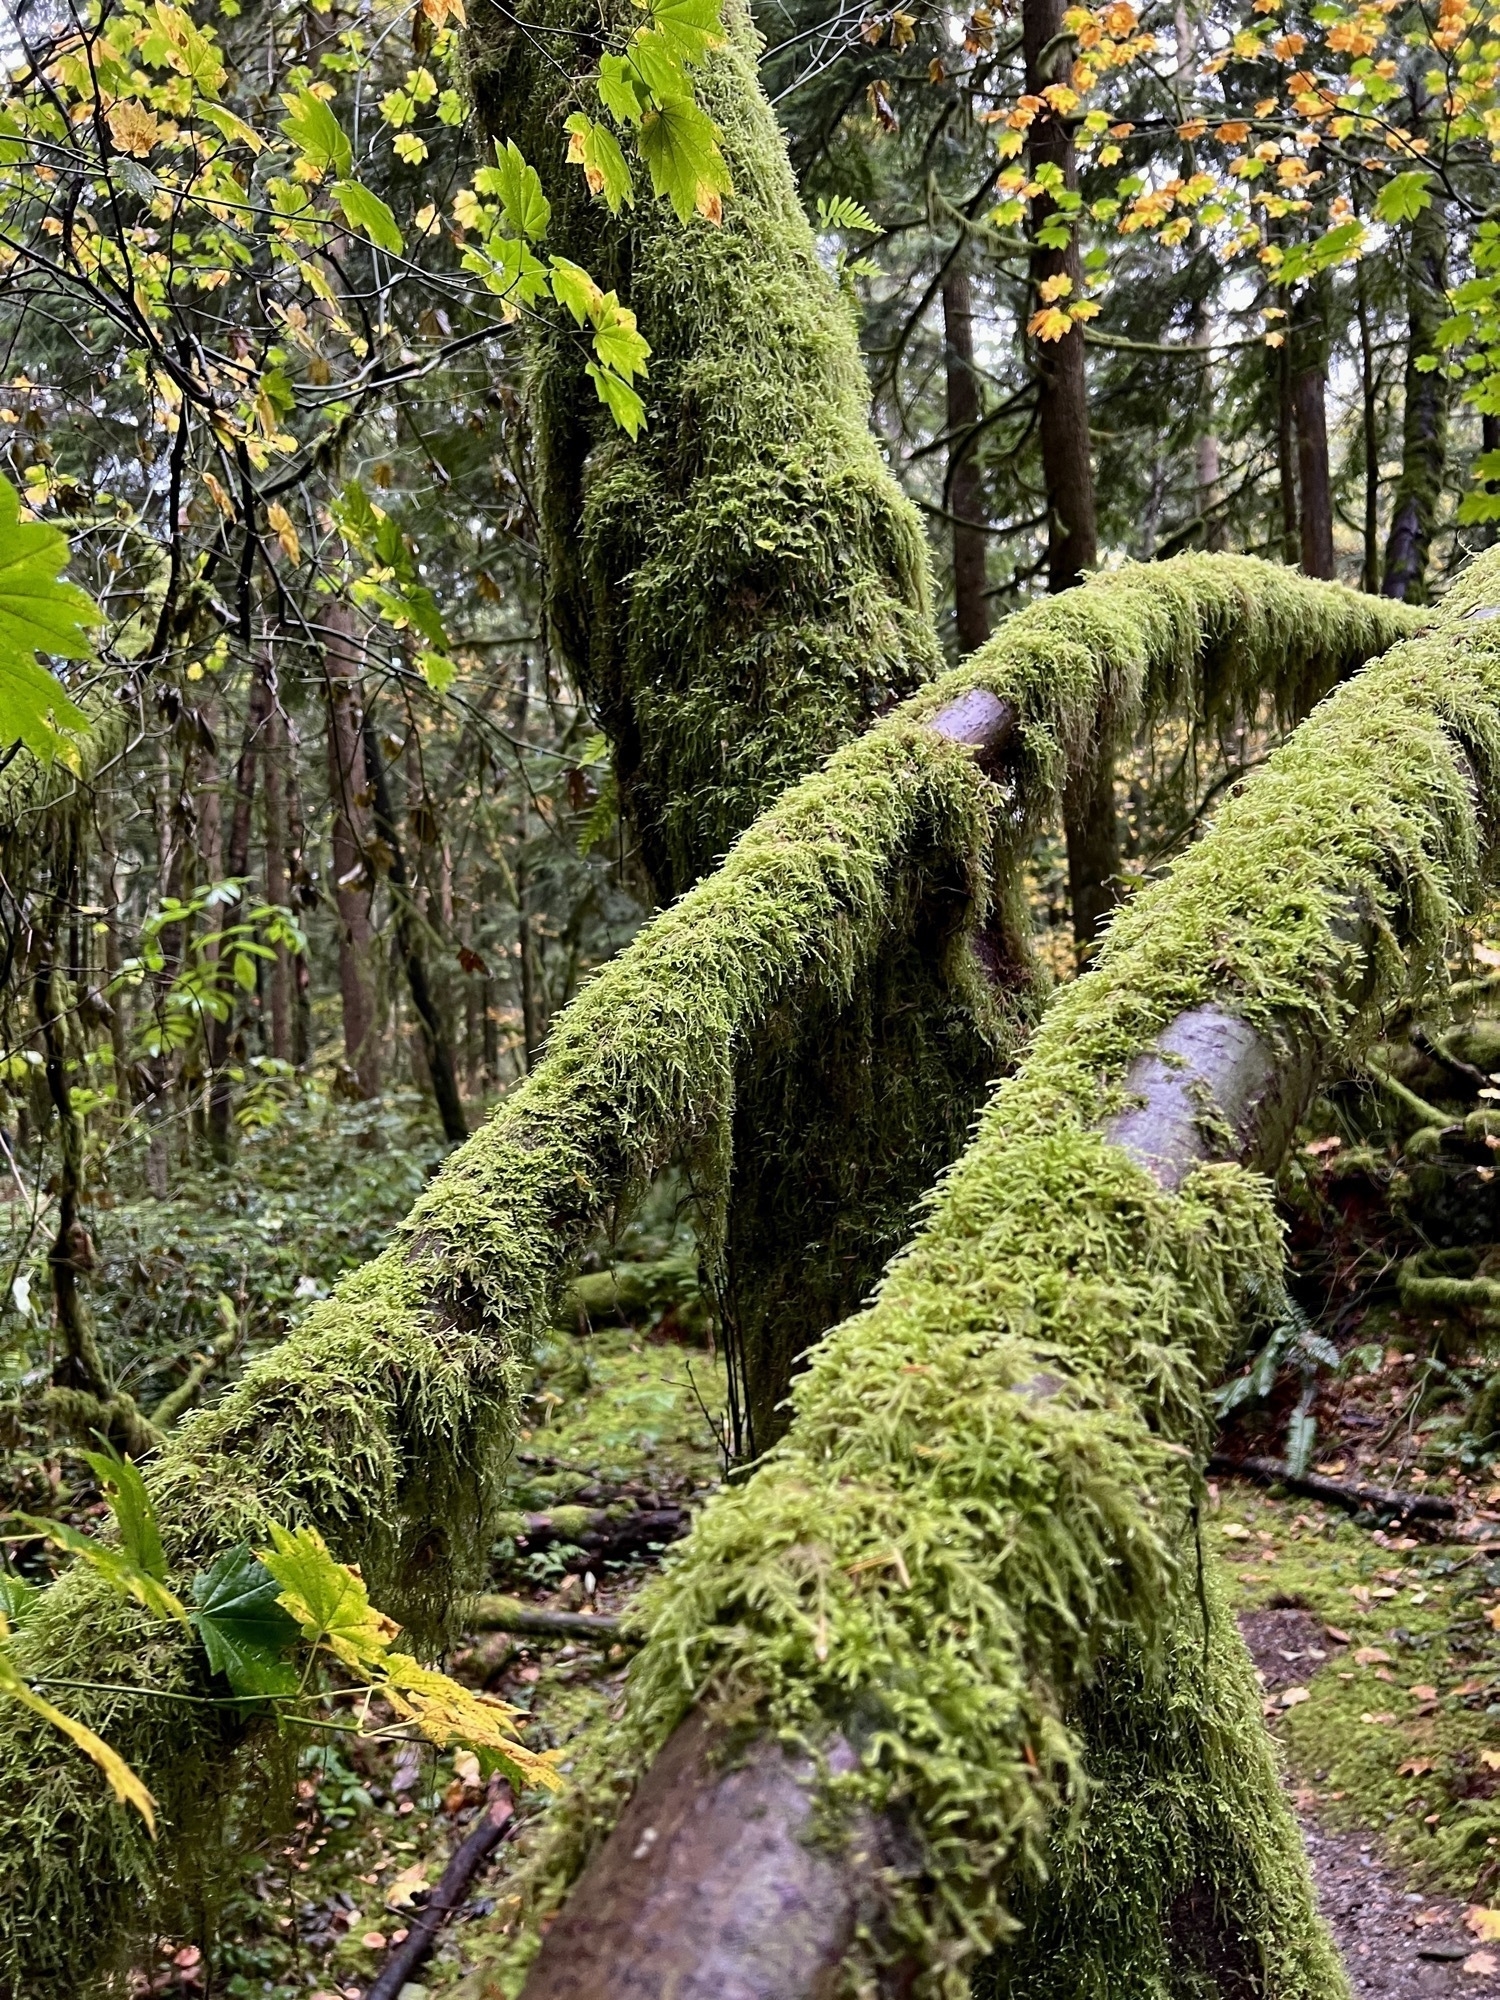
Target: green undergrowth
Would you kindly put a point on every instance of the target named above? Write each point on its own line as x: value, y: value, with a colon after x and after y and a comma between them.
x: 1395, y: 1729
x: 981, y: 1509
x: 387, y: 1415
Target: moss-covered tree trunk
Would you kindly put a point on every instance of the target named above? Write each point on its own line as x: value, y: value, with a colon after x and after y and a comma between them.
x: 738, y: 592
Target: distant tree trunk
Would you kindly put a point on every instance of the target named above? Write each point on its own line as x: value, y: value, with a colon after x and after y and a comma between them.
x: 280, y: 980
x: 118, y: 996
x: 1309, y: 344
x: 1072, y: 530
x: 533, y: 1029
x: 436, y: 1045
x: 964, y: 487
x: 1286, y: 452
x: 1207, y: 458
x: 1424, y: 429
x: 352, y: 882
x: 221, y: 1034
x: 304, y: 895
x: 1370, y: 431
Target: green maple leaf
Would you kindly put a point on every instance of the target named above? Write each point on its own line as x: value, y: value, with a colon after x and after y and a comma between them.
x: 38, y: 614
x: 245, y: 1631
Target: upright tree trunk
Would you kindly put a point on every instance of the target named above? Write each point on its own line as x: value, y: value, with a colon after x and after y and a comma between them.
x: 353, y: 883
x: 1309, y: 343
x: 304, y: 896
x: 1286, y: 451
x: 280, y: 979
x: 1424, y: 429
x: 435, y: 1042
x: 1072, y: 533
x: 1207, y: 466
x: 964, y: 487
x: 533, y: 1028
x: 118, y: 997
x: 221, y: 1034
x: 1370, y: 432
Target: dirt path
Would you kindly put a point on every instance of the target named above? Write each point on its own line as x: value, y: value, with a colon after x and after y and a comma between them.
x: 1397, y: 1943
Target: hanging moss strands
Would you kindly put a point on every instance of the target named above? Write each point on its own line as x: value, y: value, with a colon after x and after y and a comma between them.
x: 386, y: 1417
x: 971, y: 1558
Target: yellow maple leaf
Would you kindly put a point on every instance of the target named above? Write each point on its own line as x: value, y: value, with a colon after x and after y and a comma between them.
x: 133, y: 128
x: 447, y: 1713
x: 1051, y: 323
x: 1484, y: 1923
x: 126, y: 1786
x: 327, y: 1598
x: 285, y: 530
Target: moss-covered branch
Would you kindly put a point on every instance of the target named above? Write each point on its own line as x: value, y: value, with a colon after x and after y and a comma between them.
x: 972, y: 1556
x: 386, y: 1417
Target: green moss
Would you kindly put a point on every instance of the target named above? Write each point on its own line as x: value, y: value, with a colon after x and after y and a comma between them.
x: 386, y: 1416
x: 982, y: 1507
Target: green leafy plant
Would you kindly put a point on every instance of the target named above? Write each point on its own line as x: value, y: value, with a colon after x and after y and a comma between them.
x: 38, y: 614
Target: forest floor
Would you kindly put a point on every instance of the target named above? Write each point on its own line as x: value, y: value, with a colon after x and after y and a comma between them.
x: 1378, y: 1653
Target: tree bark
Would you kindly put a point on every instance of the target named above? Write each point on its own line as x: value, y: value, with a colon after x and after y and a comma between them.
x: 1286, y: 452
x: 280, y: 980
x: 221, y: 1034
x: 964, y: 493
x: 1309, y: 398
x: 436, y: 1045
x: 353, y: 882
x: 1072, y: 531
x: 1369, y: 431
x: 1424, y: 429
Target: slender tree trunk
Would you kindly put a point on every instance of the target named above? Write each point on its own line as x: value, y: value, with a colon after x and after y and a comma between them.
x: 280, y: 979
x: 1424, y: 429
x: 79, y: 1365
x: 1309, y: 398
x: 436, y: 1045
x: 533, y: 1031
x: 1286, y: 454
x: 221, y: 1034
x: 1072, y: 532
x: 965, y: 488
x: 118, y: 997
x: 1370, y: 427
x: 1207, y: 456
x: 352, y: 882
x: 304, y: 896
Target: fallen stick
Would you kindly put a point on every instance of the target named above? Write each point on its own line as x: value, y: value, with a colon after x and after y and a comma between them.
x: 509, y: 1614
x: 478, y: 1844
x: 1353, y: 1494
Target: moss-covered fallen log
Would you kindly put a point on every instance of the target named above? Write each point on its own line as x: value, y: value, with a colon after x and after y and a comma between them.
x: 387, y: 1416
x: 966, y: 1585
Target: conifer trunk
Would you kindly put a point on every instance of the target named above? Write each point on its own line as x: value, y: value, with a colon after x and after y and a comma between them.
x: 436, y: 1044
x: 964, y: 494
x: 1309, y: 343
x: 280, y: 978
x: 1089, y: 817
x: 1424, y: 431
x: 352, y: 882
x: 236, y: 859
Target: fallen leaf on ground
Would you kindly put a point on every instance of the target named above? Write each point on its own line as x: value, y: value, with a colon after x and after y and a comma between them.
x: 1339, y: 1638
x: 1415, y: 1767
x: 1292, y: 1696
x: 1483, y: 1922
x: 1382, y: 1718
x: 1421, y: 1692
x: 1483, y: 1963
x: 1235, y: 1532
x: 1490, y: 1759
x: 1372, y: 1656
